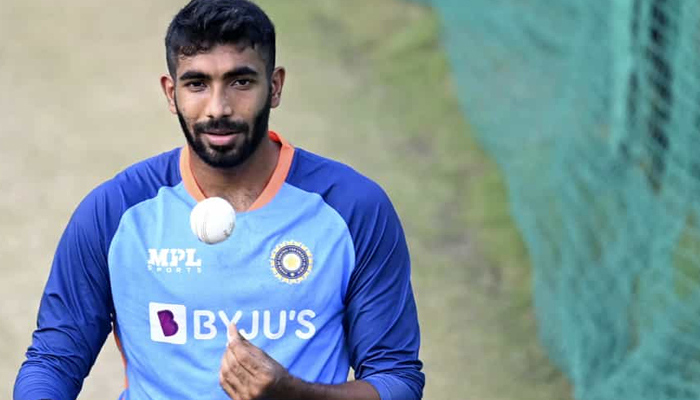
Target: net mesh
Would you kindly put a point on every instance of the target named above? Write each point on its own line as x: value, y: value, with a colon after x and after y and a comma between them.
x: 592, y: 110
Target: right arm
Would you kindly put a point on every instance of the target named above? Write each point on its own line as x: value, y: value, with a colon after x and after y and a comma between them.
x: 76, y: 310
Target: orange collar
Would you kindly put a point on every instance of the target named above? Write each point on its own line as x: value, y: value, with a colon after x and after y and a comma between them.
x: 284, y: 162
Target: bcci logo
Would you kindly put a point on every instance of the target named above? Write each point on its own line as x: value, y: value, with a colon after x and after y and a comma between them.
x: 291, y: 262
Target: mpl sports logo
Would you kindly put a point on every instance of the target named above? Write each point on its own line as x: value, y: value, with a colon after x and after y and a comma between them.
x: 174, y: 261
x: 169, y: 323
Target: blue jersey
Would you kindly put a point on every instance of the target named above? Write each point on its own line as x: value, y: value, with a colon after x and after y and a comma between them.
x: 316, y: 273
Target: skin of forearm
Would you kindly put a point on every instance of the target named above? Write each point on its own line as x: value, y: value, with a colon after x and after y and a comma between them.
x: 297, y: 389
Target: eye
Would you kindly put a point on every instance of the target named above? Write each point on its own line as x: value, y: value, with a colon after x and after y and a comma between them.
x: 242, y: 83
x: 195, y: 85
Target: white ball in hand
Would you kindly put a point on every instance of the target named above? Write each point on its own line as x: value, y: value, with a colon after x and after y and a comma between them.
x: 212, y: 220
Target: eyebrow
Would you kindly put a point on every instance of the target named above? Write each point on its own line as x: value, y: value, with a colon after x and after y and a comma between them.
x: 191, y: 75
x: 240, y: 71
x: 234, y: 73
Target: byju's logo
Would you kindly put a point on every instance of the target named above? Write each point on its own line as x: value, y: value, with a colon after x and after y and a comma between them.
x: 176, y: 261
x: 168, y: 323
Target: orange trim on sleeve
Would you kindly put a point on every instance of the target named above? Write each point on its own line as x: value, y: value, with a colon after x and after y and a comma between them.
x: 121, y: 350
x: 279, y: 175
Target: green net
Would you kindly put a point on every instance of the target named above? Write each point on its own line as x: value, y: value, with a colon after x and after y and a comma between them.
x: 592, y: 110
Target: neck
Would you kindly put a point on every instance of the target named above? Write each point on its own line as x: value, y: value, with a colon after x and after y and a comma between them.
x: 240, y: 185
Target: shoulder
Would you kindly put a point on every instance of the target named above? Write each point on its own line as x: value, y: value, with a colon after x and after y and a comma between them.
x: 340, y: 185
x: 103, y: 206
x: 362, y: 203
x: 141, y: 180
x: 148, y: 176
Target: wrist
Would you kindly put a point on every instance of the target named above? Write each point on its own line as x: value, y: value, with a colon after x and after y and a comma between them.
x: 289, y: 387
x: 292, y: 388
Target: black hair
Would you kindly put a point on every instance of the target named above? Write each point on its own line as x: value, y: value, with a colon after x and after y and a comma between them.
x: 203, y: 24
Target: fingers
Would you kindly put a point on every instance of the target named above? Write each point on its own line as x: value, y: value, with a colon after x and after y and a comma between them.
x: 234, y: 379
x: 247, y: 372
x: 230, y: 365
x: 247, y: 355
x: 228, y: 381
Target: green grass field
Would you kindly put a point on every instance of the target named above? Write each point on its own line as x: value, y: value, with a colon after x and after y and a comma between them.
x: 368, y: 84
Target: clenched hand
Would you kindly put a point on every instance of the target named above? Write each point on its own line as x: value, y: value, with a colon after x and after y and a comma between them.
x: 247, y: 372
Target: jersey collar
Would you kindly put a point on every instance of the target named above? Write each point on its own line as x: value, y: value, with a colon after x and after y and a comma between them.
x: 284, y: 162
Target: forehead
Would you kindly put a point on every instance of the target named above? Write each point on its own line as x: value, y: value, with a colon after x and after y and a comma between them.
x: 222, y: 58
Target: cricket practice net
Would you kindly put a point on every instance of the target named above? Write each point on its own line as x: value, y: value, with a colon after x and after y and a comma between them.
x: 592, y: 111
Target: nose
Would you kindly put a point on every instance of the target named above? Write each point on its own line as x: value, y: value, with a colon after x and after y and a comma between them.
x: 219, y: 105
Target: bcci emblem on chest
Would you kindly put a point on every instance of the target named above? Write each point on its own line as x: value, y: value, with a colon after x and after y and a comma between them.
x: 291, y: 262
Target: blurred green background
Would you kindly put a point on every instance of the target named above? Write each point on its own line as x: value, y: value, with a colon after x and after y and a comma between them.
x: 368, y: 84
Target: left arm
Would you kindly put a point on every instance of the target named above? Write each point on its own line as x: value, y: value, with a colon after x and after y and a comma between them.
x: 381, y: 317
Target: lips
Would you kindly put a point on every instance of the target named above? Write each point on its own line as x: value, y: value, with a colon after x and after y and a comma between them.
x: 220, y: 132
x: 220, y: 138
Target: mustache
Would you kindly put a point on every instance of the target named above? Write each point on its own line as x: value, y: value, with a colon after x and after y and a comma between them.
x: 220, y: 124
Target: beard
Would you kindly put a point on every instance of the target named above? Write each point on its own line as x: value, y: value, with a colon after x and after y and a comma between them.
x: 232, y: 155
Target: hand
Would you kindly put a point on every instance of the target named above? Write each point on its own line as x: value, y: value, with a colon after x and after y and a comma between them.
x: 248, y: 373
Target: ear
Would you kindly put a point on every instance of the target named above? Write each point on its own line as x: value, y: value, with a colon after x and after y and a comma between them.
x: 168, y: 86
x: 277, y: 82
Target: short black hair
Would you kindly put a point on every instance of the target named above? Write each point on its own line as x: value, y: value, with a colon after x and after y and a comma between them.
x: 203, y: 24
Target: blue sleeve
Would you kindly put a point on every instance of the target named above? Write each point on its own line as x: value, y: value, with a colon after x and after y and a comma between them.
x: 75, y: 312
x: 381, y: 318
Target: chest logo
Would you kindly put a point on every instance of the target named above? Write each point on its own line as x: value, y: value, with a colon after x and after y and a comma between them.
x: 176, y: 261
x: 291, y: 262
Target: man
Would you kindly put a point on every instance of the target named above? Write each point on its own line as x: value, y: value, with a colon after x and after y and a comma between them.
x: 315, y: 278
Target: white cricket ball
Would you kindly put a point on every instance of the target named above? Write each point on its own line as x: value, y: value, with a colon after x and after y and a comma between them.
x: 212, y: 220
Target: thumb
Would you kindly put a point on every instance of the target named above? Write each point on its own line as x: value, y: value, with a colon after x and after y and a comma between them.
x: 233, y: 334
